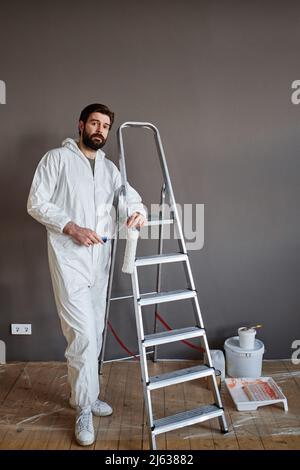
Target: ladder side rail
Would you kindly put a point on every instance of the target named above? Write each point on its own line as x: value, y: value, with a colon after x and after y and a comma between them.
x: 110, y: 282
x: 142, y: 350
x: 139, y: 323
x: 215, y: 388
x: 170, y: 191
x: 122, y: 164
x: 189, y: 276
x: 159, y: 267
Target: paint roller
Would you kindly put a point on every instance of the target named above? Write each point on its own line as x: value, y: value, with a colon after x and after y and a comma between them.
x: 130, y: 250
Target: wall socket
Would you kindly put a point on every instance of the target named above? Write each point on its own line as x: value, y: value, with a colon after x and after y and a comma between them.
x: 20, y: 328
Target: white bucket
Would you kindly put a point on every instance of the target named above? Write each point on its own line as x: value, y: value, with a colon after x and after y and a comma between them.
x: 241, y: 362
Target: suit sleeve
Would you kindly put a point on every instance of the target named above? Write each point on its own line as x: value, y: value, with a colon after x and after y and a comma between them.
x: 44, y: 183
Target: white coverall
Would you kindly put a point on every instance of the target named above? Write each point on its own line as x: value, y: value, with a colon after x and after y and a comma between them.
x: 64, y: 189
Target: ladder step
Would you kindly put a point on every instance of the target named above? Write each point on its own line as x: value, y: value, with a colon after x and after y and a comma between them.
x: 160, y: 259
x: 173, y: 335
x: 150, y: 299
x: 155, y: 220
x: 187, y: 418
x: 179, y: 376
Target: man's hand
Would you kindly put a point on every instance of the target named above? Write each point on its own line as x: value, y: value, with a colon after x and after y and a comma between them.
x: 136, y: 220
x: 82, y: 236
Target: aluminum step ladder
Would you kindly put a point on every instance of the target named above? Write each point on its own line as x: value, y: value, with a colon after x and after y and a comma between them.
x: 200, y: 414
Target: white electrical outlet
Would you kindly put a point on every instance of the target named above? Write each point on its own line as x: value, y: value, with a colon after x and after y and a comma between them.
x: 21, y: 328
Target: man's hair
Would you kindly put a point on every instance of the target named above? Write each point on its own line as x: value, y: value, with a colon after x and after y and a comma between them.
x: 96, y: 108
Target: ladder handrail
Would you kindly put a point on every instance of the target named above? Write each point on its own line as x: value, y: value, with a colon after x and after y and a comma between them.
x: 164, y: 167
x: 122, y: 164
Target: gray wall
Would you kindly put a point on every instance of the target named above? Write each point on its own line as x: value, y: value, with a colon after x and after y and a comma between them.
x: 215, y: 76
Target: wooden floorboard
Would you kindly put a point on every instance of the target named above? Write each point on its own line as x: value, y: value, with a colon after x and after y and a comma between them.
x: 35, y: 413
x: 27, y: 408
x: 131, y: 432
x: 108, y: 434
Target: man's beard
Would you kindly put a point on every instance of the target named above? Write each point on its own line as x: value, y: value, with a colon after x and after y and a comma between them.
x: 92, y: 143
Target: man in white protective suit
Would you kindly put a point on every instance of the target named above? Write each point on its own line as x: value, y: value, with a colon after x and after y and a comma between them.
x: 71, y: 194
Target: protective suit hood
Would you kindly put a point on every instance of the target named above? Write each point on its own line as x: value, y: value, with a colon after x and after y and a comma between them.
x: 72, y: 144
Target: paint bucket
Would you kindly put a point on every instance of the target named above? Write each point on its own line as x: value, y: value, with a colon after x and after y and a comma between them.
x: 241, y: 362
x: 246, y: 337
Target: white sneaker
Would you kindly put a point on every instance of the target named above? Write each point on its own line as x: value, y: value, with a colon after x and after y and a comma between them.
x: 100, y: 408
x: 84, y: 429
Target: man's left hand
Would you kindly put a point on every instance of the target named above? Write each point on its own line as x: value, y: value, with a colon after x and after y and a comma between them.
x: 136, y: 220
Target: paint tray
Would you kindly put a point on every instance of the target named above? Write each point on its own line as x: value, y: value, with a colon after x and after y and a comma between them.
x: 248, y: 394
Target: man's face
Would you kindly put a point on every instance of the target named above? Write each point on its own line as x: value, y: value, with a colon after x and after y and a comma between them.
x: 95, y: 131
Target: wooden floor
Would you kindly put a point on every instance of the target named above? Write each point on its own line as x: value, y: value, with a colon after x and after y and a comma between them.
x: 34, y: 411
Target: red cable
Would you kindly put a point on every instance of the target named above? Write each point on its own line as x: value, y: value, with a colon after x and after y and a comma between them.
x: 121, y: 342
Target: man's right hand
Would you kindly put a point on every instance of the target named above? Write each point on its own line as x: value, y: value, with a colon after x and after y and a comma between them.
x: 82, y: 236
